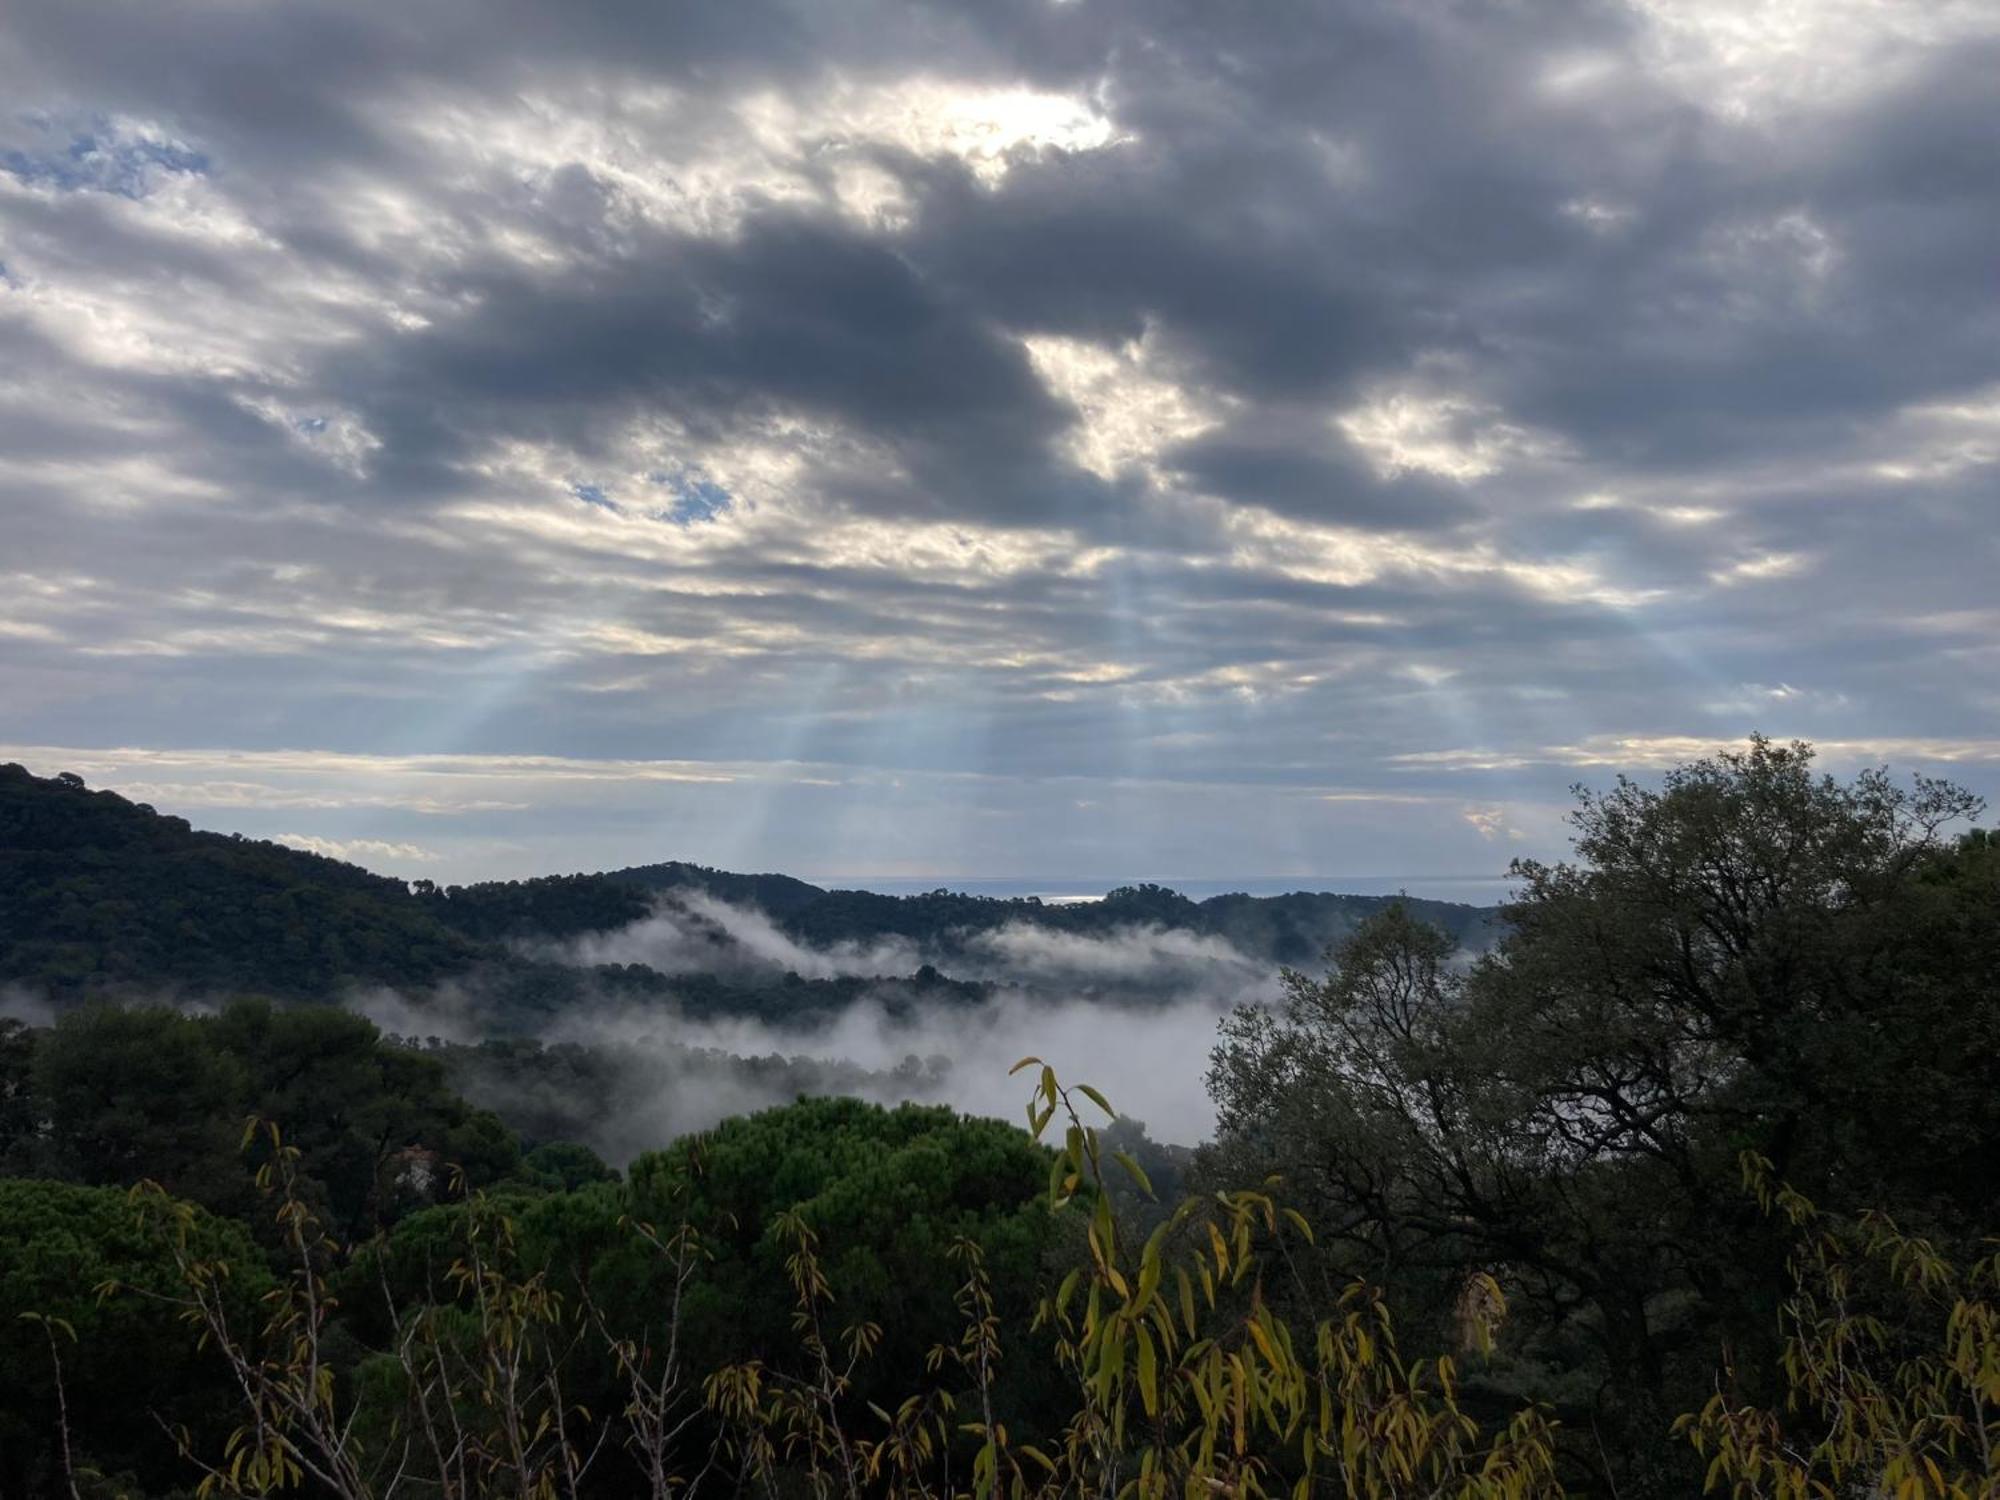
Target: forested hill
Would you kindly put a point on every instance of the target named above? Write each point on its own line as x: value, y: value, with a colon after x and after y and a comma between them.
x: 1289, y: 929
x: 101, y: 893
x: 98, y: 891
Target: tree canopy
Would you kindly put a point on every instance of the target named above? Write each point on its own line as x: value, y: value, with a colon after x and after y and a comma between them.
x: 117, y: 1096
x: 121, y: 1356
x: 1751, y: 957
x: 1713, y: 1124
x: 103, y: 896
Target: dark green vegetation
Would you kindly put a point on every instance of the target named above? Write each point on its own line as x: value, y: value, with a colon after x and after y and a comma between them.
x: 1750, y: 959
x: 100, y: 895
x: 121, y: 1357
x: 112, y: 1097
x: 1716, y: 1121
x: 892, y: 1189
x: 888, y: 1192
x: 97, y: 892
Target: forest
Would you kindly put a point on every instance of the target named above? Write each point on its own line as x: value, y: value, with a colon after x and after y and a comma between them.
x: 100, y: 895
x: 1674, y: 1175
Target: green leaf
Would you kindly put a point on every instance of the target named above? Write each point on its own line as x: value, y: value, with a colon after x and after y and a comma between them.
x: 1058, y: 1166
x: 1124, y: 1159
x: 1149, y: 1382
x: 1098, y: 1099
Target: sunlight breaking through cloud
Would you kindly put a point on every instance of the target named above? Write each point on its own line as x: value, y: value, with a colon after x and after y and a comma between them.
x: 1110, y: 400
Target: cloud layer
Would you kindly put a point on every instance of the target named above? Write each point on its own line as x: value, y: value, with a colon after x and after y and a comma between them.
x: 1071, y: 437
x: 1133, y: 1011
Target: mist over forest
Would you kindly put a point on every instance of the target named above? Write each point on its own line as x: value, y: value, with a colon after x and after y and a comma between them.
x: 623, y: 1074
x: 732, y: 734
x: 435, y: 1132
x: 627, y: 1009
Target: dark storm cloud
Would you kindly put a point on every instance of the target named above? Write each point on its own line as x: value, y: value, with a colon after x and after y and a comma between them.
x: 1065, y: 402
x: 1303, y: 478
x: 789, y: 314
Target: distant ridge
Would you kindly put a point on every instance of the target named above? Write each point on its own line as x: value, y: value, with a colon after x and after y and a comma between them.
x: 99, y: 894
x: 1289, y: 929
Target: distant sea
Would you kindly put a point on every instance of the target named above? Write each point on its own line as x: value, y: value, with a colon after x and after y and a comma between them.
x: 1475, y: 890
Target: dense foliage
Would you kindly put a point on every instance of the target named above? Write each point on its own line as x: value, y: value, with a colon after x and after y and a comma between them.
x: 120, y: 1357
x: 888, y: 1191
x: 98, y: 893
x: 1689, y: 1181
x: 101, y: 895
x: 1750, y: 958
x: 113, y: 1097
x: 893, y: 1190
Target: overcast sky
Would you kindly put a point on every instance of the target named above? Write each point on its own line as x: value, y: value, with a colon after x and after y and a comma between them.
x: 1138, y: 438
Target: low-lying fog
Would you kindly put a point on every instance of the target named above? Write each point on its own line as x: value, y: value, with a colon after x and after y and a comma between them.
x: 697, y: 933
x: 1132, y: 1011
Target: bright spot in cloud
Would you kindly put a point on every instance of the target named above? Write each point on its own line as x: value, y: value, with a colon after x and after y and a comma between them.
x: 1128, y: 412
x: 1490, y: 822
x: 1453, y: 437
x: 1765, y: 565
x: 987, y: 129
x: 357, y: 851
x: 1753, y: 59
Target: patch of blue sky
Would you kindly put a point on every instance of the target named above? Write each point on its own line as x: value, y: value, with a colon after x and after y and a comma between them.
x: 101, y: 160
x: 696, y: 501
x: 593, y: 494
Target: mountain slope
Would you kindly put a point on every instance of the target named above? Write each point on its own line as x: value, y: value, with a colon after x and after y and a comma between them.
x: 102, y: 895
x: 98, y: 893
x: 1290, y: 929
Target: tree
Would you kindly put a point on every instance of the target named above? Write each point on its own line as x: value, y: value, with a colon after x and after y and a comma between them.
x: 141, y: 1093
x: 97, y: 892
x: 19, y: 1127
x: 149, y: 1093
x: 886, y: 1192
x: 1178, y: 1378
x: 1891, y: 1366
x: 130, y: 1360
x: 1751, y: 956
x: 375, y: 1123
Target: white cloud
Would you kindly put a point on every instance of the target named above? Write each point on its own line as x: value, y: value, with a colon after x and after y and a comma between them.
x: 339, y: 437
x: 358, y: 851
x: 1455, y: 437
x: 1491, y: 823
x: 1939, y: 440
x: 299, y: 411
x: 986, y: 128
x: 1128, y: 412
x: 1753, y: 60
x: 1761, y: 567
x: 1661, y: 752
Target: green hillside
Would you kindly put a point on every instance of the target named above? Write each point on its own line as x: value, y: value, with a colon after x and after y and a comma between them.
x: 98, y: 893
x: 102, y: 895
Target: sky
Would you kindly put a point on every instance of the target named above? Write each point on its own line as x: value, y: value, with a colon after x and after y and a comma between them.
x: 1080, y: 438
